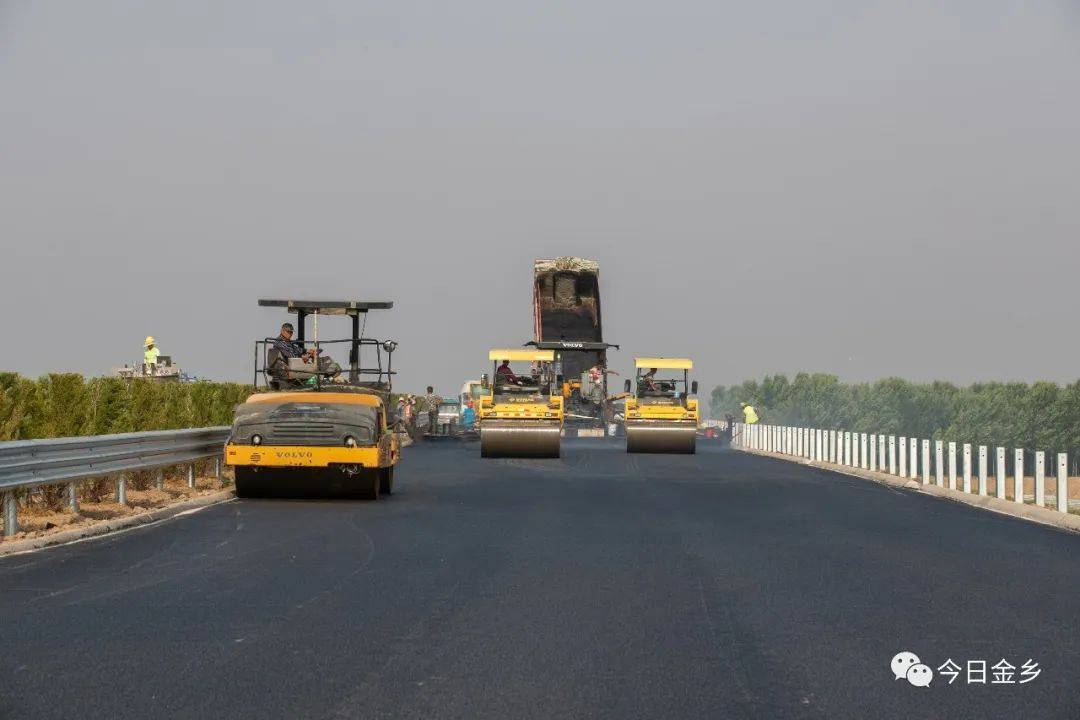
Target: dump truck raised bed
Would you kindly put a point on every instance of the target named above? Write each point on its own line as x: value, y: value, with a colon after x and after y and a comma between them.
x: 568, y: 321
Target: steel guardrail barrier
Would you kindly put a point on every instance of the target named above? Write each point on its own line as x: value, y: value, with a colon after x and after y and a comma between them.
x: 67, y: 461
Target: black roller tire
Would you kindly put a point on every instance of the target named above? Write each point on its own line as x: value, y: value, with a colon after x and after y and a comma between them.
x: 247, y: 483
x: 386, y: 480
x: 367, y: 485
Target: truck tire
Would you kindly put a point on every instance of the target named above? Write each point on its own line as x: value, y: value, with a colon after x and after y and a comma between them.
x: 386, y: 480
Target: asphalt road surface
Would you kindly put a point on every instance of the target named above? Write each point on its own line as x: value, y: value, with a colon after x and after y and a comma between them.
x: 601, y: 585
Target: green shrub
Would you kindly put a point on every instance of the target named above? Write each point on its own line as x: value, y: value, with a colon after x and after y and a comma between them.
x: 68, y: 405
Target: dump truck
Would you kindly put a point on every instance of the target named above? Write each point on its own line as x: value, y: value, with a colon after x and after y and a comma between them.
x: 567, y: 321
x: 521, y: 412
x: 317, y: 428
x: 662, y: 412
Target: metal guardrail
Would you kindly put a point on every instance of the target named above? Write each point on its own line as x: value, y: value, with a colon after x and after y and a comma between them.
x: 33, y: 463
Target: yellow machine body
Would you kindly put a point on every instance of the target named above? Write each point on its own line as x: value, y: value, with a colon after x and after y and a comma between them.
x: 662, y: 421
x: 521, y: 421
x: 304, y: 442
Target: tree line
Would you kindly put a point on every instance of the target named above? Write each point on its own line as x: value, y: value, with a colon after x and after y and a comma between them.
x: 68, y: 405
x: 1040, y: 416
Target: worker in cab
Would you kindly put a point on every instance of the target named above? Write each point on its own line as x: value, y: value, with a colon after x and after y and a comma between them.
x: 648, y: 381
x: 150, y: 355
x: 504, y: 374
x: 750, y: 416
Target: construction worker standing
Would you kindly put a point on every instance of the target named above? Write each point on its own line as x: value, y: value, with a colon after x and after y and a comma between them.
x: 431, y: 403
x: 150, y: 355
x: 750, y: 416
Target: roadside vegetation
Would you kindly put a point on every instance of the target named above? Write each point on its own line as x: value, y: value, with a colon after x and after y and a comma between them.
x: 67, y: 404
x: 1043, y: 416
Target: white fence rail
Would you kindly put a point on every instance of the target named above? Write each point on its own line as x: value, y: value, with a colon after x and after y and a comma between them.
x: 956, y: 466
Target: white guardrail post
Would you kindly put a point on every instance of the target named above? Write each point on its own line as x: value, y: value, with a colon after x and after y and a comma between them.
x: 1000, y: 457
x: 983, y: 485
x: 952, y: 465
x: 939, y: 463
x: 1040, y: 478
x: 967, y: 467
x: 1018, y: 475
x: 868, y: 451
x: 1063, y: 482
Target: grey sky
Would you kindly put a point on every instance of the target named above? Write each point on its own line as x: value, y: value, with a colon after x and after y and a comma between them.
x: 865, y: 188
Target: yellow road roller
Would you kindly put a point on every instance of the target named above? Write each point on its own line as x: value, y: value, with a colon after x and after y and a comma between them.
x: 318, y: 428
x: 521, y: 410
x: 662, y: 410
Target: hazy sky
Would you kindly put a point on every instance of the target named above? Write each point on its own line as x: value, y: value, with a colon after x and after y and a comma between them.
x: 864, y: 188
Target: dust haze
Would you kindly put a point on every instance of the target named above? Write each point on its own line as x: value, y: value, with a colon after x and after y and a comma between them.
x: 863, y: 189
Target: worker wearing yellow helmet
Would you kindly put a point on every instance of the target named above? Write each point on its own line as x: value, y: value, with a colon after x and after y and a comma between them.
x: 750, y: 416
x: 150, y: 354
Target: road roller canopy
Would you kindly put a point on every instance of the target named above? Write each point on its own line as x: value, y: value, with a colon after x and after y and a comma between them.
x: 293, y: 361
x: 519, y: 355
x: 662, y: 363
x: 660, y: 377
x: 328, y: 307
x: 537, y: 380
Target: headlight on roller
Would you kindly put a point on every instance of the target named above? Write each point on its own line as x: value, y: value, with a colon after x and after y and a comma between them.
x: 350, y: 441
x: 256, y: 439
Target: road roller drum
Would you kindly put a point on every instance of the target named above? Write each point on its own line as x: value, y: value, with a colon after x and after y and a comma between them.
x: 661, y: 439
x: 518, y: 439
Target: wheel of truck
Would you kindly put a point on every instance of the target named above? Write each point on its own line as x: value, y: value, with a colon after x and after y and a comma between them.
x: 367, y: 484
x: 247, y: 482
x: 386, y: 480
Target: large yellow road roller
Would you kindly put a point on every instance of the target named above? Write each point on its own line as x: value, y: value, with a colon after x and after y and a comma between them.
x: 319, y: 429
x: 662, y: 412
x: 521, y: 411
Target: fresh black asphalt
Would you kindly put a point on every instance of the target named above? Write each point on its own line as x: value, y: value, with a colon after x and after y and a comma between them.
x: 600, y: 585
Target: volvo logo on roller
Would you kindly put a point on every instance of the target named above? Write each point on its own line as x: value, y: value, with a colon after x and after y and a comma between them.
x: 573, y: 344
x: 293, y: 454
